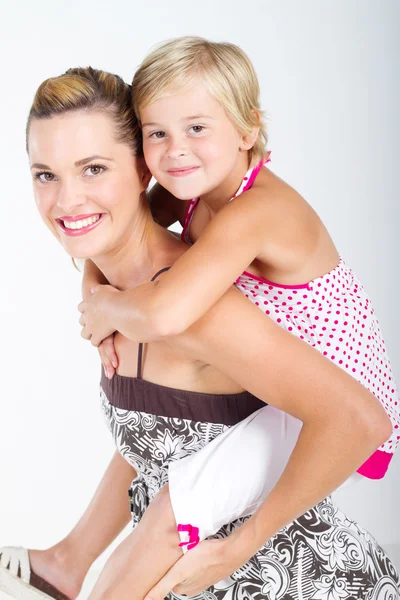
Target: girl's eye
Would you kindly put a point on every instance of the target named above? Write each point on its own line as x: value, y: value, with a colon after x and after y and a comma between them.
x: 158, y: 135
x: 45, y: 176
x: 93, y: 170
x: 197, y: 128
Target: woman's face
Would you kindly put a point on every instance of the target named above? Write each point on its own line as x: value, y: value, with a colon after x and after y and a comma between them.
x: 87, y: 185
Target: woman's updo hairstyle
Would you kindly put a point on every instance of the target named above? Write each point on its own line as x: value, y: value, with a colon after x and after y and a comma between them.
x: 85, y: 88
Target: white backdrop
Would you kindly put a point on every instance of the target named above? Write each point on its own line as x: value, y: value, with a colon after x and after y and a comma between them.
x: 329, y: 79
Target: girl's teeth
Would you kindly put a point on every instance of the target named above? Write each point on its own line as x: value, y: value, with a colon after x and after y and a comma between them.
x: 82, y: 223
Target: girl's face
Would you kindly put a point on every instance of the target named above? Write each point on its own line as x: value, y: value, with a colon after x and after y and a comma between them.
x: 189, y: 143
x: 86, y: 184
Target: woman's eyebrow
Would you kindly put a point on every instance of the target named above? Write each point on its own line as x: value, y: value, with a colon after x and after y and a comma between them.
x: 79, y: 163
x: 83, y: 161
x: 39, y: 166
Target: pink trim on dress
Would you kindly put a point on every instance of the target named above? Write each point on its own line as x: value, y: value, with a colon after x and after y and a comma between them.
x: 187, y: 220
x: 301, y: 286
x: 266, y: 159
x: 376, y: 465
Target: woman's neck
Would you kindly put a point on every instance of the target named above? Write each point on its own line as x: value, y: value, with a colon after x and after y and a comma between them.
x: 146, y: 249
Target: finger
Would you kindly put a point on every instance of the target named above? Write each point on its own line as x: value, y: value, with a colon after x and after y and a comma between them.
x: 82, y: 306
x: 107, y: 366
x: 82, y: 320
x: 94, y: 289
x: 109, y: 349
x: 165, y: 585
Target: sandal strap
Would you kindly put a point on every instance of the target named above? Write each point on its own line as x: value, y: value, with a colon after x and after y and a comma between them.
x: 16, y: 559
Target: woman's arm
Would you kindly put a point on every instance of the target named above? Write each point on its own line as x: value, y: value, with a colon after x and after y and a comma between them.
x: 342, y: 422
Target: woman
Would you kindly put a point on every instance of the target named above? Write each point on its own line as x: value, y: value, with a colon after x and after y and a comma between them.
x: 176, y: 396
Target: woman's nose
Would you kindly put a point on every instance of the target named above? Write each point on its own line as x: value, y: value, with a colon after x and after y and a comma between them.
x: 70, y: 197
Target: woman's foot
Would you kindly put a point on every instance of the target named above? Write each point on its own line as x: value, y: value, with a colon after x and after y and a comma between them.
x: 58, y: 568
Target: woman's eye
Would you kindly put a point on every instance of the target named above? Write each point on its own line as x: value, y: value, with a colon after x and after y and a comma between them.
x: 197, y: 128
x: 158, y: 135
x: 45, y: 177
x: 94, y: 170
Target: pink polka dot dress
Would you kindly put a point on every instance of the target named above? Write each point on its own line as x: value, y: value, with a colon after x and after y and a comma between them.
x: 333, y: 314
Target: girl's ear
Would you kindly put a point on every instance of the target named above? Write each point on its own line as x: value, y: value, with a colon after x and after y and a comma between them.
x: 247, y: 141
x: 144, y: 173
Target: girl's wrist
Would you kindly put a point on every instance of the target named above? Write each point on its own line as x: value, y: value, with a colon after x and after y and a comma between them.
x: 244, y: 542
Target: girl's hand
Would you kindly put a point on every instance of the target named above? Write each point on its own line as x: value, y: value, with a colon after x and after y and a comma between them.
x: 108, y: 356
x: 96, y: 314
x: 198, y: 569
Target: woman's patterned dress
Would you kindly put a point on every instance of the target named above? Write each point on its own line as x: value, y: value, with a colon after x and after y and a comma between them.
x: 320, y: 556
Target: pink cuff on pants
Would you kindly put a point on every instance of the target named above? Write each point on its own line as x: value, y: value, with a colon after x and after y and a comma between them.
x: 193, y: 533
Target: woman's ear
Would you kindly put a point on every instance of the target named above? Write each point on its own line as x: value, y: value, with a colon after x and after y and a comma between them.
x: 144, y: 173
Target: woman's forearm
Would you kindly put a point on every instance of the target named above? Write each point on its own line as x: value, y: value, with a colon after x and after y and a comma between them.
x: 105, y: 517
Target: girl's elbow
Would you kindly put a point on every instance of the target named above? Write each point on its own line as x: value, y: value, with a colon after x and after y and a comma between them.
x: 165, y: 324
x: 384, y: 429
x: 377, y: 426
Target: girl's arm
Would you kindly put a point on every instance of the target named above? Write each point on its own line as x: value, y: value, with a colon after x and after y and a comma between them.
x: 231, y: 241
x: 343, y: 424
x: 92, y: 276
x: 166, y: 210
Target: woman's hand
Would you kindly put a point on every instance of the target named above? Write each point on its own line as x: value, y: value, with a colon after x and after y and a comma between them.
x: 198, y: 569
x: 96, y: 314
x: 108, y: 356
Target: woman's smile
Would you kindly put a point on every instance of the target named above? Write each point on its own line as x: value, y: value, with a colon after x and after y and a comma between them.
x: 80, y: 224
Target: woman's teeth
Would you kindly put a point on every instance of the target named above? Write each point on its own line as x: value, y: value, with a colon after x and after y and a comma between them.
x: 81, y: 224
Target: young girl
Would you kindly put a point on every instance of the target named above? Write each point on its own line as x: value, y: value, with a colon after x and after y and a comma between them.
x: 204, y: 141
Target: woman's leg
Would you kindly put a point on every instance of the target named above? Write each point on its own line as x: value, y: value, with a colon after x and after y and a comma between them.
x: 66, y: 564
x: 142, y: 559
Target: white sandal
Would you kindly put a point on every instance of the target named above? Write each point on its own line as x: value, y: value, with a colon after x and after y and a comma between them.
x: 19, y: 582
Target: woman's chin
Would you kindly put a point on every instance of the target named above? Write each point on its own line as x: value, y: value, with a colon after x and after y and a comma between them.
x: 79, y: 251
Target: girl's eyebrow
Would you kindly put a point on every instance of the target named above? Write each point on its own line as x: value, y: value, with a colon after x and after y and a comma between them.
x: 191, y: 118
x: 200, y: 116
x: 150, y: 125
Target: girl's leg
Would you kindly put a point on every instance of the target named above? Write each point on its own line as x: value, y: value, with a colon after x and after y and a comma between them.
x: 231, y: 476
x: 142, y: 559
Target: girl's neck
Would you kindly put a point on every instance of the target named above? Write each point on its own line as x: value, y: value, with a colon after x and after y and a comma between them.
x: 146, y: 249
x: 223, y: 193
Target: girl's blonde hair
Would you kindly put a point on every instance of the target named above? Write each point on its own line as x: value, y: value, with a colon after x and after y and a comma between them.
x: 89, y: 89
x: 225, y: 70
